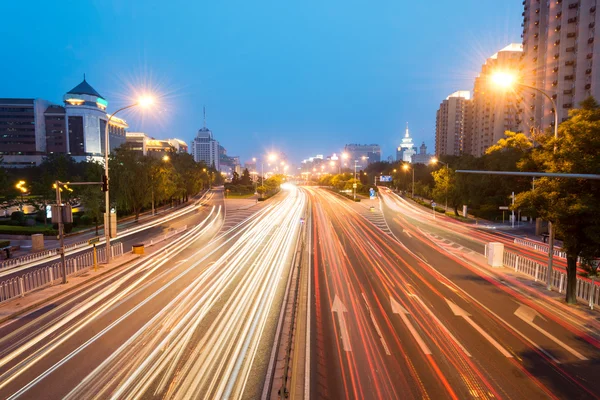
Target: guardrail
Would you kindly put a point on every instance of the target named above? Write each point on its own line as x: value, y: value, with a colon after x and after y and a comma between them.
x: 586, y: 290
x: 15, y: 262
x: 542, y: 247
x: 159, y: 239
x: 50, y: 274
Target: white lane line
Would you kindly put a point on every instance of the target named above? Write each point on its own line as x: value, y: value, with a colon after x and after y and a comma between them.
x: 459, y: 312
x: 407, y: 233
x: 383, y: 342
x: 403, y: 312
x: 528, y: 314
x: 339, y: 308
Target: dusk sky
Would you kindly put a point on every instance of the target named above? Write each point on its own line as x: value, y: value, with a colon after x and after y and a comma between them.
x: 303, y: 77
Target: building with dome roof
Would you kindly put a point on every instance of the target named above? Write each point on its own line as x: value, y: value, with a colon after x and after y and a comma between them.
x: 30, y: 129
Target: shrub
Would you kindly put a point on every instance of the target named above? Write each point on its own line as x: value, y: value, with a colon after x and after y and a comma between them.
x: 4, y: 243
x: 39, y: 215
x: 85, y: 220
x: 18, y: 216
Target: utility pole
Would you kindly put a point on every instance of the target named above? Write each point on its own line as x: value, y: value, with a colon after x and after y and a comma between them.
x: 61, y: 234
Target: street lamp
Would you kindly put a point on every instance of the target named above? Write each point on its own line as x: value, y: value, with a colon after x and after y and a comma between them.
x: 21, y: 187
x: 434, y: 161
x: 145, y: 101
x: 406, y: 167
x: 507, y: 80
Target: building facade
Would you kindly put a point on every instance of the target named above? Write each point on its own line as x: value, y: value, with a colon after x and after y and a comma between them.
x: 356, y: 152
x: 494, y: 111
x: 561, y: 55
x: 450, y: 123
x: 406, y: 150
x: 422, y: 157
x: 205, y: 148
x: 30, y: 129
x: 147, y: 145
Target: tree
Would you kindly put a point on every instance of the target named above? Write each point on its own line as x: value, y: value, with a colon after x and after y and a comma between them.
x: 447, y: 188
x: 130, y: 181
x: 246, y: 178
x: 235, y: 178
x: 92, y: 196
x: 570, y: 204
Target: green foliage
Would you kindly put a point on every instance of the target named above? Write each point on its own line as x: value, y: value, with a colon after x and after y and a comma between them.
x: 570, y: 204
x: 4, y: 243
x: 18, y: 216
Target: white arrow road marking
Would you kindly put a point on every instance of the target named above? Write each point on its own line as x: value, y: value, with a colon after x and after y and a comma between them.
x: 180, y: 261
x: 398, y: 309
x: 459, y: 312
x: 407, y: 233
x: 383, y: 342
x: 339, y: 308
x: 528, y: 314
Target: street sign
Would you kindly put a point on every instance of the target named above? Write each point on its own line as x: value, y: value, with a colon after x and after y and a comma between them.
x: 385, y: 178
x: 503, y: 208
x: 94, y: 240
x: 433, y: 204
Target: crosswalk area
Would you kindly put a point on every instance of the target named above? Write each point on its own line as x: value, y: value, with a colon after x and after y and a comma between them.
x: 236, y: 216
x: 374, y: 215
x: 447, y: 244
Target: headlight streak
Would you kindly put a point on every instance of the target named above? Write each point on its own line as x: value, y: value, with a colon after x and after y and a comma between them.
x: 148, y: 266
x: 218, y: 365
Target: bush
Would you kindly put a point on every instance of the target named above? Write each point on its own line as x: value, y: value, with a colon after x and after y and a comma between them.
x: 4, y: 243
x: 39, y: 216
x: 18, y: 216
x: 85, y: 220
x: 10, y: 222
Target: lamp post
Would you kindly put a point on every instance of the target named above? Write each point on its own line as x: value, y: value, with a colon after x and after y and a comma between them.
x: 406, y: 167
x: 435, y: 161
x: 507, y: 80
x: 144, y: 102
x: 21, y: 187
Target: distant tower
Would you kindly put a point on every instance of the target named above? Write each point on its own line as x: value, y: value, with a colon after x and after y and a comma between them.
x: 405, y: 151
x: 204, y: 112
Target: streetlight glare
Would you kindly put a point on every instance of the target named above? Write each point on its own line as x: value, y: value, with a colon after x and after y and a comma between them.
x: 434, y: 160
x: 345, y: 156
x: 146, y: 101
x: 272, y: 157
x: 166, y: 158
x: 405, y: 167
x: 503, y: 79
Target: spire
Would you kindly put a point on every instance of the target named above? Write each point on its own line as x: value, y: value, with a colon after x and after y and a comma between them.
x: 204, y: 111
x: 84, y: 76
x: 407, y: 134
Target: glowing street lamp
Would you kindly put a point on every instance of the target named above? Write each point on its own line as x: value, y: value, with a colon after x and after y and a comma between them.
x: 144, y: 102
x: 21, y: 188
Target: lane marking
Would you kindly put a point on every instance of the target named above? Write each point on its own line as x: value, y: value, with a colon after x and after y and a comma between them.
x: 407, y: 233
x: 528, y: 314
x: 339, y: 308
x: 383, y: 342
x: 459, y: 312
x: 403, y: 312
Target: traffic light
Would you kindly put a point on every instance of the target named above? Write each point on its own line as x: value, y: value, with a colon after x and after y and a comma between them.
x: 104, y: 183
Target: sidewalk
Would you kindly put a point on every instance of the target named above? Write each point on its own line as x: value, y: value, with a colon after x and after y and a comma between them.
x: 18, y: 306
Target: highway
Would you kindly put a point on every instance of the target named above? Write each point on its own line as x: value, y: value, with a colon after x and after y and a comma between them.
x: 195, y: 319
x: 396, y: 315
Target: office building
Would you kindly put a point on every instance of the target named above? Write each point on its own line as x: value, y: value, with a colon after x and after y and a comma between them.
x: 494, y: 111
x: 147, y: 145
x: 356, y: 152
x: 450, y: 123
x: 561, y: 55
x: 422, y: 157
x: 32, y: 128
x: 407, y: 148
x: 205, y: 148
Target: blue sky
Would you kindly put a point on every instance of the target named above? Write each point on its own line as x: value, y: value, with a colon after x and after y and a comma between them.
x: 304, y: 77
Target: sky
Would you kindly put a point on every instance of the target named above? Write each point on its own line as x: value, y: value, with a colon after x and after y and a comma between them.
x: 300, y: 77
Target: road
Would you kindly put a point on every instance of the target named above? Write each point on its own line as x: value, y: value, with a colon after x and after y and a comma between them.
x: 397, y: 316
x: 194, y: 320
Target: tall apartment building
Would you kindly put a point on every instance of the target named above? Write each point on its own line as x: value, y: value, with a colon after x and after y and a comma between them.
x: 450, y: 123
x: 205, y: 148
x: 561, y: 56
x: 494, y: 111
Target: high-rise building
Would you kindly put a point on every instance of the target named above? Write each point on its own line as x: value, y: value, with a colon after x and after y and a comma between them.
x: 205, y: 148
x: 450, y: 123
x: 494, y: 111
x: 407, y: 148
x: 356, y: 152
x: 561, y: 55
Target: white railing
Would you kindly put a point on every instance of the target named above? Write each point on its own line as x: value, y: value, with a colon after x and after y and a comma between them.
x: 50, y: 274
x: 40, y: 255
x: 168, y: 235
x: 541, y: 247
x: 586, y: 290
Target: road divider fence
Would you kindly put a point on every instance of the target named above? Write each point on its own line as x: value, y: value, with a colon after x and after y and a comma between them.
x: 40, y: 255
x: 543, y: 248
x: 168, y: 235
x: 586, y: 290
x: 50, y: 274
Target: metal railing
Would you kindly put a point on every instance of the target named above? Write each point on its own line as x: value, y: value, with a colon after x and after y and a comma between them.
x: 586, y: 290
x: 40, y: 255
x: 541, y: 247
x: 50, y: 274
x: 168, y: 235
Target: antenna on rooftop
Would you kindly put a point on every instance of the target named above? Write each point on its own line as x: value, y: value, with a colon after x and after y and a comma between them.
x: 204, y: 111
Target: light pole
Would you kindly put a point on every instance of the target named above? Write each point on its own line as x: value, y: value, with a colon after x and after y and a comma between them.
x: 435, y: 161
x: 21, y: 187
x: 507, y: 80
x: 406, y: 167
x: 144, y: 102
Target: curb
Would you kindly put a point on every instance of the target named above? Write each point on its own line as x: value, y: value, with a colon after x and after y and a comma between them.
x: 66, y: 291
